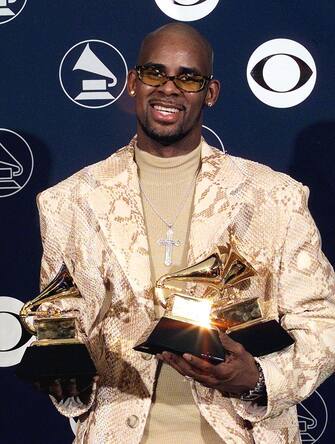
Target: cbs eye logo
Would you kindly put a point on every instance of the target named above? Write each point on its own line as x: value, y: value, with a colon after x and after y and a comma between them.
x: 187, y: 10
x: 13, y: 339
x: 281, y: 73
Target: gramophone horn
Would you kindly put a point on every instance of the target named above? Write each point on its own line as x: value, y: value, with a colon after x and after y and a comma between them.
x: 222, y: 269
x: 62, y: 286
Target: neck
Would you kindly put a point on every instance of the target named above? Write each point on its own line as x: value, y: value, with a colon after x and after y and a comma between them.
x: 179, y: 148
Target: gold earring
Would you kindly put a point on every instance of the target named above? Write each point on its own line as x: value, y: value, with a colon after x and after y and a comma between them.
x: 209, y: 104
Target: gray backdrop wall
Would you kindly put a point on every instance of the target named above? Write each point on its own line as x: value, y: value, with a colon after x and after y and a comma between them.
x: 62, y: 106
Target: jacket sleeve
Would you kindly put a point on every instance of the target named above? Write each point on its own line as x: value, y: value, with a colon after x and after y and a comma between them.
x: 55, y: 224
x: 305, y: 289
x: 52, y: 257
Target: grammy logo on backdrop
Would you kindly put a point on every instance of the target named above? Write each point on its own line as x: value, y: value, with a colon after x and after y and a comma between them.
x: 93, y: 73
x: 4, y: 9
x: 10, y: 167
x: 16, y: 162
x: 94, y: 89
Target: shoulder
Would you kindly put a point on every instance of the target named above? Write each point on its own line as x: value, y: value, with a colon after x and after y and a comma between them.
x: 264, y: 176
x: 278, y: 187
x: 86, y: 179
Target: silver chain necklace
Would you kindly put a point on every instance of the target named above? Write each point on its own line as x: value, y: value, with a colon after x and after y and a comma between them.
x: 169, y: 242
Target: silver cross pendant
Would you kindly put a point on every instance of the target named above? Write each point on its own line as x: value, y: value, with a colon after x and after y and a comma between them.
x: 169, y: 243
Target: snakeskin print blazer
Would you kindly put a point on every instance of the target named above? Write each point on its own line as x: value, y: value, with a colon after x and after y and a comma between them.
x: 93, y: 221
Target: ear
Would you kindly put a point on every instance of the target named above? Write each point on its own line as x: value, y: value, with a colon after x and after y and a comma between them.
x: 131, y: 82
x: 212, y: 93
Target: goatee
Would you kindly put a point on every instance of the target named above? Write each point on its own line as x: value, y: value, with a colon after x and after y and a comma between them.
x: 163, y: 139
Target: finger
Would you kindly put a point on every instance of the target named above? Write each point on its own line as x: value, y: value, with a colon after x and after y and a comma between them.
x: 178, y: 368
x: 167, y: 357
x: 177, y: 362
x: 199, y: 364
x: 85, y: 392
x: 85, y: 382
x: 55, y: 389
x: 230, y: 345
x: 194, y: 364
x: 208, y: 374
x: 184, y: 371
x: 182, y: 367
x: 69, y: 387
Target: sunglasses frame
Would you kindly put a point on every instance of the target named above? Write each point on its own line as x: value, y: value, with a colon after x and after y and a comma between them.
x: 205, y: 79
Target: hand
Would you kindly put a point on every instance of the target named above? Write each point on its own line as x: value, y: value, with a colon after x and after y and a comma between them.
x: 236, y: 375
x: 66, y: 388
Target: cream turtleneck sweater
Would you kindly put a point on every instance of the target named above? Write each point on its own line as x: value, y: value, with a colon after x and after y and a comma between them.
x: 169, y: 184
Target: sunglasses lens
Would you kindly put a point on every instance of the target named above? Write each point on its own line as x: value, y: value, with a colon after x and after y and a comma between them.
x: 190, y: 85
x: 154, y: 77
x: 151, y: 77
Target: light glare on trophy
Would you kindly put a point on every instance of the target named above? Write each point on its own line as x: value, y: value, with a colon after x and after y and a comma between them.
x: 191, y: 324
x: 57, y: 351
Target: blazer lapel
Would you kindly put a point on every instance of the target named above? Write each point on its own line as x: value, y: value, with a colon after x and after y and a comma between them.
x: 217, y: 202
x: 116, y: 203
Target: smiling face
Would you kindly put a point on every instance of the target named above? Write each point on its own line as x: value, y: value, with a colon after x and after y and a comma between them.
x: 168, y: 116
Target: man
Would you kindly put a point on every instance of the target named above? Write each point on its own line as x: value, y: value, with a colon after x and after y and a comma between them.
x: 108, y: 224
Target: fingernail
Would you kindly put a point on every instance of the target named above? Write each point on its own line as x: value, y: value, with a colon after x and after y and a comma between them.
x: 187, y: 357
x: 167, y: 355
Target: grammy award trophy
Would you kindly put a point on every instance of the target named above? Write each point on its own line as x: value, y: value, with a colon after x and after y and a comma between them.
x: 57, y: 352
x: 191, y: 324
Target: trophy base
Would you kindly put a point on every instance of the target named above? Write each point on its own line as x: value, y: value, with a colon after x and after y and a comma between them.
x: 182, y: 337
x: 263, y: 337
x: 55, y: 361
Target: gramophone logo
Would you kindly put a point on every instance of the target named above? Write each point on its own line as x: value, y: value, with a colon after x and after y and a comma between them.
x: 313, y: 418
x: 281, y: 73
x: 16, y: 162
x: 187, y: 10
x: 9, y: 9
x: 212, y: 138
x: 13, y: 338
x: 93, y: 74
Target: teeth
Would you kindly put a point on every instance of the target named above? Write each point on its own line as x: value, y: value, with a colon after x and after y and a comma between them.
x: 164, y: 109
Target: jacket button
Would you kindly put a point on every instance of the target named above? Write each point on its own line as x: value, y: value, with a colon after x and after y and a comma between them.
x: 146, y: 356
x: 132, y: 421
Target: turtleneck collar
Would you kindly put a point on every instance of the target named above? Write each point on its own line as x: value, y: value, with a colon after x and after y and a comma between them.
x: 154, y: 168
